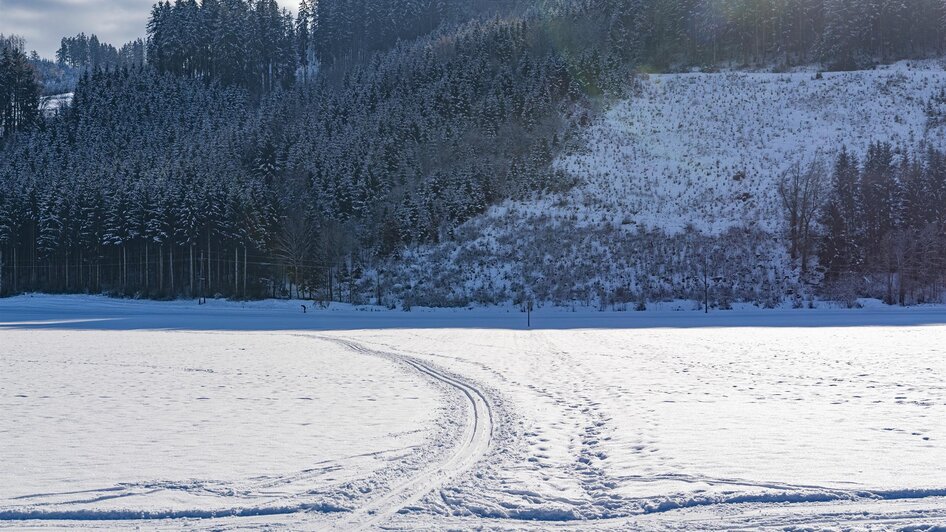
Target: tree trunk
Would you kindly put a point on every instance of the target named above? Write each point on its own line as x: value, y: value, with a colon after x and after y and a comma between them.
x: 124, y: 269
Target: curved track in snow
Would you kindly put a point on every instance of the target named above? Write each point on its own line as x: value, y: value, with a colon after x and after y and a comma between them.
x: 474, y: 443
x: 457, y: 456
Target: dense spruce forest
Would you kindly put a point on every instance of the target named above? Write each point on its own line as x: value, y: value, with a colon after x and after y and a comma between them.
x: 243, y: 151
x: 885, y: 217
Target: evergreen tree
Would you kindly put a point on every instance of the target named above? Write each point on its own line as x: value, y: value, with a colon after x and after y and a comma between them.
x: 19, y: 90
x: 304, y: 45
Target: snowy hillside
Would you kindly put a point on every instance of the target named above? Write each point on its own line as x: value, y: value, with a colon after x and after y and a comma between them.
x: 708, y: 149
x: 699, y: 150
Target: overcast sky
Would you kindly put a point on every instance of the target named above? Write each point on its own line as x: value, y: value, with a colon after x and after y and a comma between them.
x: 45, y: 22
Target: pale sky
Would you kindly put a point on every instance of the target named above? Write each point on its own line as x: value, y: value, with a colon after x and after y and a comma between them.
x: 45, y: 22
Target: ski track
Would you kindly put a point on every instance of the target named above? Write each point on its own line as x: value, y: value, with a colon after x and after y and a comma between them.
x: 281, y: 504
x: 750, y: 503
x: 474, y: 444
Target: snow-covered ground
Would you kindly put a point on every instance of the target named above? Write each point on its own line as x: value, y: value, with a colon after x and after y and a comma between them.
x: 709, y: 149
x: 105, y: 424
x: 171, y: 415
x: 51, y: 105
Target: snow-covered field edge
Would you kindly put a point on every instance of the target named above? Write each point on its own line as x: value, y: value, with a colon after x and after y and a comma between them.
x: 102, y: 312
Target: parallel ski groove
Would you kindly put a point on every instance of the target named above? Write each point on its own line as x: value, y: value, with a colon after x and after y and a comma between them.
x: 474, y: 444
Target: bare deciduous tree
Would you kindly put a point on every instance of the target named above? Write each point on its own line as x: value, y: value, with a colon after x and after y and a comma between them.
x: 295, y: 243
x: 802, y: 192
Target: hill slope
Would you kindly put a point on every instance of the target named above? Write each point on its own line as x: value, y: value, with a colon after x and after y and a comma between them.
x: 686, y: 169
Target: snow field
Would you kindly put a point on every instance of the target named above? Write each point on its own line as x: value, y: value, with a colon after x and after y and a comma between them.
x: 117, y: 414
x: 612, y: 424
x: 189, y: 424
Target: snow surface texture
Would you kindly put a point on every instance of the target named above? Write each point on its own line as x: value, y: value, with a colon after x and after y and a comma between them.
x: 171, y: 415
x: 106, y: 425
x: 709, y: 149
x: 700, y: 150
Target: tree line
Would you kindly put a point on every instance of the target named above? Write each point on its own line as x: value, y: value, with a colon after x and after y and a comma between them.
x: 875, y: 227
x: 83, y: 51
x: 257, y: 45
x: 236, y: 42
x: 349, y: 30
x: 843, y: 34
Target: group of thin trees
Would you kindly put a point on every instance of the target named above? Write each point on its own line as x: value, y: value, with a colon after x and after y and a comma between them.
x: 236, y: 42
x: 82, y: 52
x: 19, y: 88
